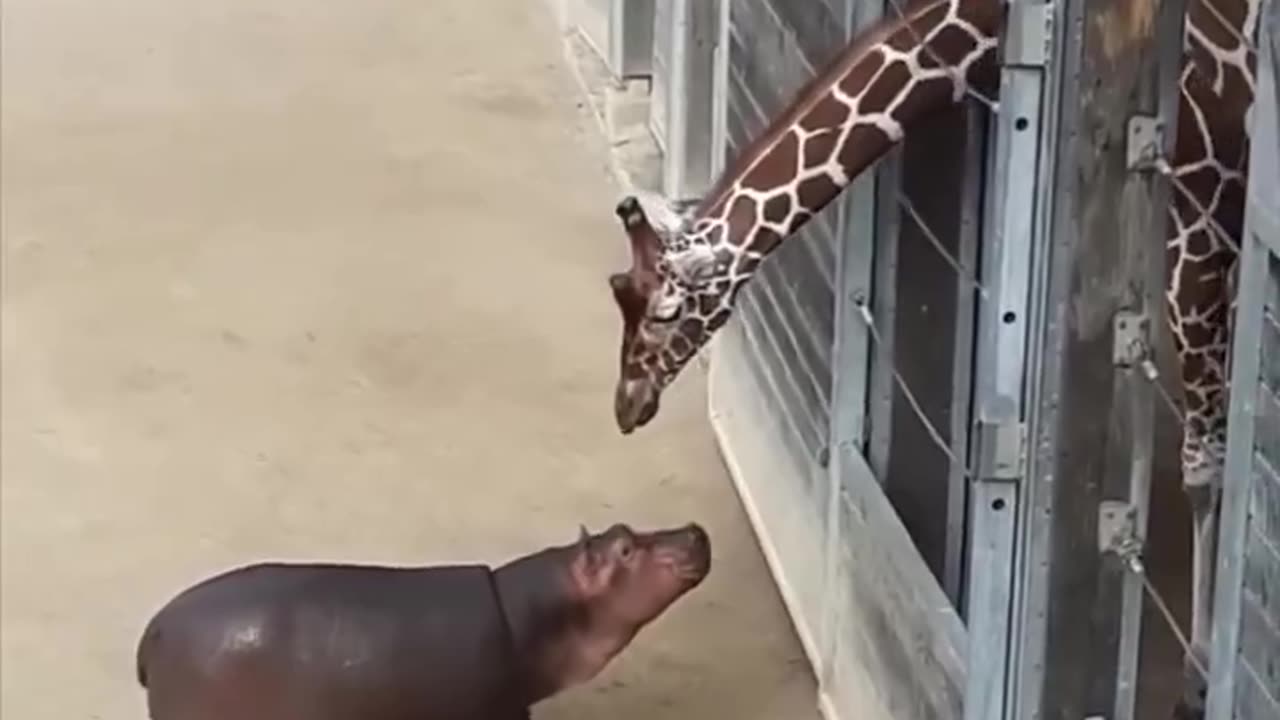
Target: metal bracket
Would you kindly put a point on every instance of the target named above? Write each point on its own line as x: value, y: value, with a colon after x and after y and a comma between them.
x: 1004, y: 448
x: 1144, y: 142
x: 1028, y: 34
x: 1118, y: 531
x: 1130, y: 331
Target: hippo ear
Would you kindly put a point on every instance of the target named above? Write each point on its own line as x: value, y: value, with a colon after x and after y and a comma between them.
x: 589, y: 554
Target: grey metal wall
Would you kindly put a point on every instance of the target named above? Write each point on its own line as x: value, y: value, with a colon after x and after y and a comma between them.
x: 924, y: 312
x: 1258, y: 690
x: 1245, y: 666
x: 787, y: 310
x: 784, y: 319
x: 789, y: 385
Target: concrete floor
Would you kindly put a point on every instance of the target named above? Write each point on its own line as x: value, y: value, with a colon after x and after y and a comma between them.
x: 303, y: 280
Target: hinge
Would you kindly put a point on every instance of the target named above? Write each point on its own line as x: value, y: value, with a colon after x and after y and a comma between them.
x: 1027, y: 34
x: 1129, y: 338
x: 1144, y: 142
x: 1003, y: 455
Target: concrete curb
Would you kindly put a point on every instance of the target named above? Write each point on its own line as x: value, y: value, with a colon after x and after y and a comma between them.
x: 619, y: 108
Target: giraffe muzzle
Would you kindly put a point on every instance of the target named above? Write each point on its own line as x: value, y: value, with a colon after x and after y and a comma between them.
x: 634, y: 405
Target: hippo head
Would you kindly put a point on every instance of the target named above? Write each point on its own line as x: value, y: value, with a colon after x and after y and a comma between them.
x: 572, y: 608
x: 625, y: 579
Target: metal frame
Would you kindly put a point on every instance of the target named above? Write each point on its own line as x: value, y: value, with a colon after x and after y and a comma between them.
x: 1050, y: 366
x: 620, y: 32
x: 851, y: 348
x: 882, y: 224
x: 720, y: 89
x: 1261, y: 239
x: 1010, y: 521
x: 999, y: 439
x: 1140, y: 326
x: 962, y: 374
x: 684, y: 62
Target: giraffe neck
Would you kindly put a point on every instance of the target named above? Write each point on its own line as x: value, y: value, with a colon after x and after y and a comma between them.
x: 1213, y: 40
x: 842, y: 121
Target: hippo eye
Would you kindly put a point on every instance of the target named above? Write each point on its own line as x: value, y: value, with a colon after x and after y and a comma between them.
x: 625, y: 550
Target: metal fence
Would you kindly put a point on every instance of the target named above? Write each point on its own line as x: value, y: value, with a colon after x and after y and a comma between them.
x: 1245, y: 664
x: 806, y: 388
x: 936, y: 400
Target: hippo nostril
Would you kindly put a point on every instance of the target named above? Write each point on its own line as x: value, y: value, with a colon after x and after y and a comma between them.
x: 699, y: 543
x: 697, y: 535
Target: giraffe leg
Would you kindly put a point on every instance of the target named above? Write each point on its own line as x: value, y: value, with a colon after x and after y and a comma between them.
x: 1202, y: 482
x: 1198, y: 303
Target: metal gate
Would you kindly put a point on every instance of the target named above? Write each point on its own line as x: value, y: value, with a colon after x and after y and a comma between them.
x: 1245, y: 666
x: 928, y: 398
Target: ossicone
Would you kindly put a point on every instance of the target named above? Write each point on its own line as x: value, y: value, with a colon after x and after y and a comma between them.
x: 646, y: 246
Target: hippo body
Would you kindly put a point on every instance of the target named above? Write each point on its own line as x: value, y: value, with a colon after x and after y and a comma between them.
x: 335, y: 642
x: 299, y: 641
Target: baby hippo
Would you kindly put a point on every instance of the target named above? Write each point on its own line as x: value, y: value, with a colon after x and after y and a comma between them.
x: 280, y: 641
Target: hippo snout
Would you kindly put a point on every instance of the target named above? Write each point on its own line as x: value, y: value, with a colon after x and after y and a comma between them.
x: 697, y: 549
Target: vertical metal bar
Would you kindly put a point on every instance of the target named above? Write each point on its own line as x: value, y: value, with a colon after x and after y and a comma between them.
x: 869, y: 209
x: 631, y: 38
x: 1066, y: 357
x: 851, y: 350
x: 720, y: 91
x: 1028, y: 623
x: 1234, y: 509
x: 677, y: 121
x: 1245, y: 373
x: 884, y: 292
x: 1002, y: 357
x: 1131, y: 384
x: 962, y: 361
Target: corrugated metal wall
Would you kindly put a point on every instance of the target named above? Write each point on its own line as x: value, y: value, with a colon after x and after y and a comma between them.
x: 1246, y: 633
x: 783, y: 327
x: 873, y: 618
x: 787, y: 310
x: 1258, y: 689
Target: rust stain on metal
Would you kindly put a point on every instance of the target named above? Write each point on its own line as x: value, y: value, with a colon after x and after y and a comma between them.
x: 1125, y: 23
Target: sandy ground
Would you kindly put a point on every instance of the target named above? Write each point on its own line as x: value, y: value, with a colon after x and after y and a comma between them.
x: 303, y: 280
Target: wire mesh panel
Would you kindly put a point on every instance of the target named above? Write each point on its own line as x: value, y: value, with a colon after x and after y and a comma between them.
x: 1245, y: 663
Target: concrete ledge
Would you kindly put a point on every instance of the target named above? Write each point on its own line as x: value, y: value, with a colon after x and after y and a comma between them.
x: 620, y: 108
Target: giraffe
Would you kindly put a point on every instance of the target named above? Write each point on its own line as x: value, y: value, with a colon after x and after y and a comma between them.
x: 687, y: 267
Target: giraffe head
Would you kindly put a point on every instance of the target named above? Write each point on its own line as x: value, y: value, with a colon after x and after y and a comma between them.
x: 671, y: 300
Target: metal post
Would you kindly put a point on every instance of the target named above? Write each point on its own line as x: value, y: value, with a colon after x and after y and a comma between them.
x: 851, y: 346
x: 1097, y: 294
x: 966, y: 304
x: 1262, y: 227
x: 1002, y: 356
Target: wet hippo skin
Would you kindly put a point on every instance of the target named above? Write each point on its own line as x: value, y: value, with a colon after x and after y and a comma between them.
x: 301, y: 641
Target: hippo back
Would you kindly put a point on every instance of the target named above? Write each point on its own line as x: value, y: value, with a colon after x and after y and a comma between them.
x: 333, y: 642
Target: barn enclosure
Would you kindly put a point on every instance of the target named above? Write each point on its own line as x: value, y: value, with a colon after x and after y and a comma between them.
x: 947, y: 402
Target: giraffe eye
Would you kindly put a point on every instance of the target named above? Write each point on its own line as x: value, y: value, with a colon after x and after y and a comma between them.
x: 667, y: 309
x: 666, y: 315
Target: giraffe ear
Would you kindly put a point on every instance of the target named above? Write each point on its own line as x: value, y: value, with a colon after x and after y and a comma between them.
x: 620, y: 283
